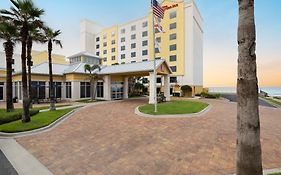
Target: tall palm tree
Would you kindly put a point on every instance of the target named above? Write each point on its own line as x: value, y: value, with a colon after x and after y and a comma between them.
x: 50, y: 37
x: 8, y: 32
x: 23, y: 13
x: 248, y: 152
x: 33, y: 35
x: 93, y: 78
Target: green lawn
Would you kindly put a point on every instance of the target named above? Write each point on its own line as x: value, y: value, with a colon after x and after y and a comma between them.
x: 275, y: 174
x: 174, y: 107
x: 6, y: 117
x: 37, y: 121
x: 275, y: 101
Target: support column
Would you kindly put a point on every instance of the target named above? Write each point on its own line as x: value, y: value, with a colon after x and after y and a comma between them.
x: 47, y: 89
x: 4, y: 91
x: 167, y: 87
x: 126, y: 88
x: 151, y: 88
x: 63, y: 90
x: 75, y: 90
x: 107, y: 87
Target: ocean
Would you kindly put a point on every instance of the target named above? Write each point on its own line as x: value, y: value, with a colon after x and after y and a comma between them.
x: 272, y: 91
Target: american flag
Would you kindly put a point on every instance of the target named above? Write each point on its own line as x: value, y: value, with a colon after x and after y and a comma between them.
x: 158, y: 11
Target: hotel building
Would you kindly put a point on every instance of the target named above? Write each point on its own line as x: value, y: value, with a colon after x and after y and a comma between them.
x: 181, y: 45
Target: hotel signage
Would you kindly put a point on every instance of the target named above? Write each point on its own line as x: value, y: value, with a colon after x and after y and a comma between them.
x: 167, y: 7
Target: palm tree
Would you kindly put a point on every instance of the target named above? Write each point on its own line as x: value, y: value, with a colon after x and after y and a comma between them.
x: 9, y: 33
x: 37, y: 36
x: 93, y: 78
x: 23, y: 13
x: 50, y: 37
x: 248, y: 151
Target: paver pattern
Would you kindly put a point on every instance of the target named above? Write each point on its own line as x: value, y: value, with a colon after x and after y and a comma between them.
x: 110, y: 139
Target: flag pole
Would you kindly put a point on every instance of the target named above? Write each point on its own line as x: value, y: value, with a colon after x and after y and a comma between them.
x: 154, y: 65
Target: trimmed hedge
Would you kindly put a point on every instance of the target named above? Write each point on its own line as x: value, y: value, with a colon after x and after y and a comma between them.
x: 186, y: 88
x: 6, y: 117
x: 207, y: 95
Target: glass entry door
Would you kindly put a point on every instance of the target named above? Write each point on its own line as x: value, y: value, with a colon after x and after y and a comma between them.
x: 1, y: 91
x: 117, y: 90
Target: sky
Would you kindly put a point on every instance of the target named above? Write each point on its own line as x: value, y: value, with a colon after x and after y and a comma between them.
x: 220, y: 32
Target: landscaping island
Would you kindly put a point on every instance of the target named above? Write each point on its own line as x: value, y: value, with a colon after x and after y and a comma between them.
x: 174, y: 107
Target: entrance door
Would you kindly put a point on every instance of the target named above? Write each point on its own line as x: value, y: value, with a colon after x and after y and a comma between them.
x: 1, y: 91
x: 117, y: 90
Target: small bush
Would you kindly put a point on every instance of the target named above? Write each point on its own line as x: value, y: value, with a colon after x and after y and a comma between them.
x: 186, y: 88
x: 7, y: 117
x: 207, y: 95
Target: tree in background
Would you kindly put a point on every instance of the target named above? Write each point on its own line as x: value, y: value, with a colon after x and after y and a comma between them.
x: 248, y: 151
x: 50, y: 37
x: 93, y: 78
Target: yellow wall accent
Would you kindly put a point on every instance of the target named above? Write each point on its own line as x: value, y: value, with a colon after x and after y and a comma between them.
x: 165, y: 37
x: 41, y: 57
x: 76, y: 77
x: 108, y: 32
x: 39, y: 77
x: 117, y: 78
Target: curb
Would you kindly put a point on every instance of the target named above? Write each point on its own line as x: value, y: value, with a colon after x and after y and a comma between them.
x: 198, y: 114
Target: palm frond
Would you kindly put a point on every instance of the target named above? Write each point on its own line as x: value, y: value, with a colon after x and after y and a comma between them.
x: 15, y: 3
x: 58, y: 42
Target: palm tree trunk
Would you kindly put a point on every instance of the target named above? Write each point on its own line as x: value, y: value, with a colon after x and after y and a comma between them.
x: 52, y: 99
x: 248, y: 152
x: 29, y: 64
x: 9, y: 49
x: 92, y: 85
x: 25, y: 115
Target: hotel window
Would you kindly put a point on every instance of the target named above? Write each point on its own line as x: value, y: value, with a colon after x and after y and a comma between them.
x: 85, y: 89
x: 145, y: 80
x: 122, y: 48
x: 133, y: 45
x: 157, y: 50
x: 173, y: 79
x: 158, y: 58
x: 173, y: 14
x: 38, y: 89
x: 173, y: 47
x: 122, y: 39
x: 145, y: 60
x: 156, y: 30
x: 133, y: 54
x: 100, y: 89
x: 57, y: 89
x: 144, y: 34
x: 113, y: 42
x: 133, y: 28
x: 104, y: 37
x: 144, y: 43
x: 144, y: 52
x: 123, y: 31
x: 158, y: 39
x: 133, y: 61
x: 145, y: 24
x: 174, y: 68
x: 97, y: 46
x: 105, y: 52
x: 1, y: 90
x: 112, y: 34
x: 133, y: 36
x: 97, y: 39
x: 173, y: 58
x: 173, y: 36
x: 158, y: 80
x: 112, y: 50
x: 97, y: 53
x: 113, y: 58
x: 105, y: 60
x: 104, y: 44
x: 123, y: 56
x: 68, y: 89
x: 173, y: 26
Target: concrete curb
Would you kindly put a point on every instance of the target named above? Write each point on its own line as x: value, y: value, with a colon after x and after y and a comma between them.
x: 198, y: 114
x: 23, y: 162
x: 50, y: 126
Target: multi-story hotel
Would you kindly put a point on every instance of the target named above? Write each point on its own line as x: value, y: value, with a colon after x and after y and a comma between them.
x: 125, y: 51
x: 181, y: 45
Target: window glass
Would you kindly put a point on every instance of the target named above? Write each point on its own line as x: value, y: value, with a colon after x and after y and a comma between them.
x: 112, y: 50
x: 133, y: 36
x: 144, y: 52
x: 133, y: 45
x: 133, y: 54
x: 122, y: 48
x: 144, y: 43
x: 133, y: 28
x: 144, y: 24
x: 173, y: 36
x: 173, y: 14
x: 173, y: 25
x: 123, y: 31
x: 173, y: 58
x: 123, y: 56
x: 122, y: 39
x: 173, y: 47
x: 174, y: 68
x: 144, y: 34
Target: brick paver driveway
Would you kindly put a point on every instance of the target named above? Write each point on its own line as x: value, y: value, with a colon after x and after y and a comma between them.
x: 110, y: 139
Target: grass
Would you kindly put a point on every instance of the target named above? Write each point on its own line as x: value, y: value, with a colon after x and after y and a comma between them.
x: 275, y: 101
x: 174, y: 107
x: 275, y: 174
x: 47, y: 107
x: 38, y: 121
x: 88, y: 101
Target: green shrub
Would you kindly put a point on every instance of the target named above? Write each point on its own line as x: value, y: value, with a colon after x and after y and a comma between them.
x: 207, y: 95
x: 7, y: 117
x: 186, y: 88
